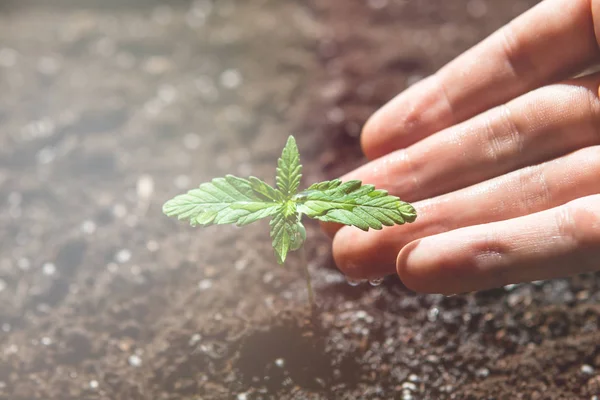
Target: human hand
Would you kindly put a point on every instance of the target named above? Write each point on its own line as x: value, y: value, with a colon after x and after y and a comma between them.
x: 499, y: 155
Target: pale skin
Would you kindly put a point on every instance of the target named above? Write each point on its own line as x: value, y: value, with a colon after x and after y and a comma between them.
x: 499, y: 152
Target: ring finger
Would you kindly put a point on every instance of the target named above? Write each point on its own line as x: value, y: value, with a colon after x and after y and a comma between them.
x: 373, y: 254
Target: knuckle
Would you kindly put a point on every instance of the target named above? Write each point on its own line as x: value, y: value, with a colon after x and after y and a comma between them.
x: 583, y: 101
x: 510, y: 47
x: 534, y: 188
x: 514, y: 49
x: 444, y: 96
x: 579, y: 221
x: 492, y: 251
x: 502, y: 135
x: 407, y: 163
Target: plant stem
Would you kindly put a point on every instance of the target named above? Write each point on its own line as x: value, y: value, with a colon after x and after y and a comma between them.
x: 303, y: 260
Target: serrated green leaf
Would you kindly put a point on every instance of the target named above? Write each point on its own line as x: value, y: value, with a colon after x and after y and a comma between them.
x: 265, y: 189
x: 229, y: 200
x: 326, y: 185
x: 289, y: 170
x: 352, y: 203
x: 285, y: 230
x: 243, y: 201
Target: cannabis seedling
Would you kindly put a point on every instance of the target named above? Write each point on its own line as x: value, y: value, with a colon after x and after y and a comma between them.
x: 233, y: 200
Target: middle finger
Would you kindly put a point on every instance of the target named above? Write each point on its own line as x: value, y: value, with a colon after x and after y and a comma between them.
x: 536, y: 127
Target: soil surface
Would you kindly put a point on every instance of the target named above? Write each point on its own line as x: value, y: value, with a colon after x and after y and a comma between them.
x: 108, y: 108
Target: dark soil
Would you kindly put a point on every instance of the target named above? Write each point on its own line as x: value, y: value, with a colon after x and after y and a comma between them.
x: 108, y: 108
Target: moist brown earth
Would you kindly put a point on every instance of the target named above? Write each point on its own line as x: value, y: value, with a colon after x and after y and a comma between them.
x: 109, y: 108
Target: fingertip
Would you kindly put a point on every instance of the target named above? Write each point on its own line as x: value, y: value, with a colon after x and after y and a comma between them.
x: 410, y: 269
x: 424, y: 269
x: 407, y: 118
x: 345, y: 256
x: 363, y: 255
x: 370, y: 138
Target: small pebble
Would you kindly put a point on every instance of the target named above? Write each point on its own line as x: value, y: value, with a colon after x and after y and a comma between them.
x: 134, y: 360
x: 587, y: 369
x: 268, y: 277
x: 432, y: 314
x: 241, y: 264
x: 205, y: 284
x: 432, y: 358
x: 376, y: 281
x: 49, y: 268
x: 112, y: 267
x: 152, y: 246
x: 145, y: 187
x: 167, y: 94
x: 46, y: 341
x: 231, y: 78
x: 280, y: 362
x: 593, y: 385
x: 123, y: 256
x: 354, y: 282
x: 511, y: 287
x: 196, y: 337
x: 88, y: 227
x: 24, y: 264
x: 482, y: 372
x: 94, y: 384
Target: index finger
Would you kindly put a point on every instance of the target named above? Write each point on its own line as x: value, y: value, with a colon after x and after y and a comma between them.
x: 552, y: 41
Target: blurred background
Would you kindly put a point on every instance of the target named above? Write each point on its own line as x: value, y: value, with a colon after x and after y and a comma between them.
x: 110, y: 107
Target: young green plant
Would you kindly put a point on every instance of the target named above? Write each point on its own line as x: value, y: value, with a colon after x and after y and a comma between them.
x: 233, y: 200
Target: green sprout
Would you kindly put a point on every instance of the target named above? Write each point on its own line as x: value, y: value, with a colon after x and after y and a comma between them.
x: 233, y: 200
